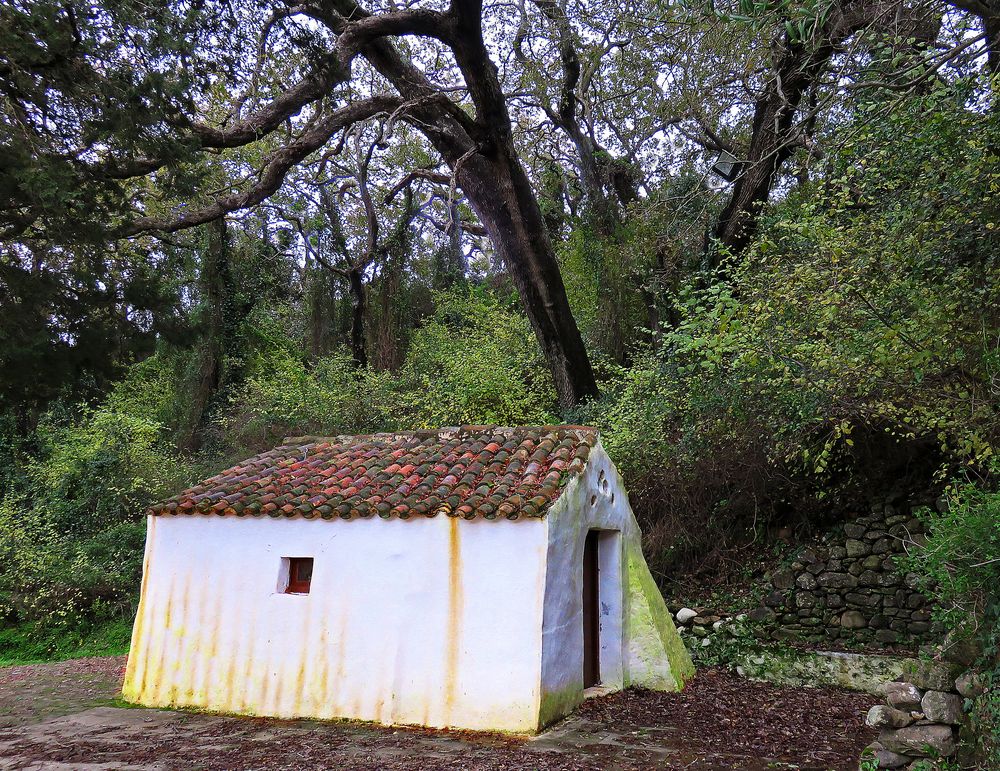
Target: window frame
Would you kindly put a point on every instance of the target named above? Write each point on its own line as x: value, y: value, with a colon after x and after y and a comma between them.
x: 294, y: 584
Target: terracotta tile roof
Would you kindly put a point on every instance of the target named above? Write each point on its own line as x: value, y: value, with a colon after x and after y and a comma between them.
x: 467, y: 472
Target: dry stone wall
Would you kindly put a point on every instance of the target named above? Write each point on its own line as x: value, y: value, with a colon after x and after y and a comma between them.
x: 848, y: 587
x: 922, y: 716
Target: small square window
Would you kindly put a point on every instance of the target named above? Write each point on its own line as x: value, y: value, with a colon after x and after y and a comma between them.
x: 300, y: 571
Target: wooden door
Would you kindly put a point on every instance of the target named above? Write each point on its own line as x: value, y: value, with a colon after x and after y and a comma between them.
x: 591, y: 612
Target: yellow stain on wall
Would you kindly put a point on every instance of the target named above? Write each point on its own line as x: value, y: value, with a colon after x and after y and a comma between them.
x: 137, y: 648
x: 456, y: 601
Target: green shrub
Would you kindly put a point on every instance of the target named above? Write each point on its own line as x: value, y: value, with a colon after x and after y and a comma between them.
x: 72, y: 526
x: 284, y: 395
x: 475, y: 361
x: 960, y: 569
x: 100, y: 470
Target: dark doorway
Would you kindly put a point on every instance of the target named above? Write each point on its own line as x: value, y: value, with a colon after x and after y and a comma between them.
x: 591, y: 612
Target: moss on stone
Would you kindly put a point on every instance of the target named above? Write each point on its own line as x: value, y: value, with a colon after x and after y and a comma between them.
x: 652, y: 634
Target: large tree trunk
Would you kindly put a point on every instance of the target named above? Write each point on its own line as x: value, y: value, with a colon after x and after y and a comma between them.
x: 359, y: 312
x: 213, y: 287
x: 501, y: 194
x: 796, y: 69
x: 481, y: 154
x: 321, y: 307
x: 769, y: 148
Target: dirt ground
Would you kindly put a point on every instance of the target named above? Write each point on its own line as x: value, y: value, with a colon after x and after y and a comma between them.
x: 66, y: 716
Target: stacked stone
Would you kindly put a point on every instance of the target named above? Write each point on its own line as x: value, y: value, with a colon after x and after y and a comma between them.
x: 848, y: 586
x: 920, y: 717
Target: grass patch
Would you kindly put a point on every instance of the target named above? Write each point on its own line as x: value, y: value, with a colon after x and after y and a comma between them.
x: 26, y: 645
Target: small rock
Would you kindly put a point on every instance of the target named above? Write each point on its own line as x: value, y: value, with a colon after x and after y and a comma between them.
x: 807, y: 557
x: 887, y: 636
x: 922, y: 741
x: 762, y: 615
x: 854, y: 530
x: 904, y: 696
x: 969, y: 684
x: 853, y: 619
x: 942, y: 707
x: 783, y: 579
x: 685, y: 614
x: 882, y: 716
x: 882, y: 546
x: 857, y: 548
x: 863, y: 599
x: 805, y: 581
x: 836, y: 580
x: 869, y: 579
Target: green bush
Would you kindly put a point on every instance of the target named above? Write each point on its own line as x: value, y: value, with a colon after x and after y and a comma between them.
x: 960, y: 569
x: 475, y: 361
x: 72, y: 526
x: 284, y: 395
x: 99, y: 470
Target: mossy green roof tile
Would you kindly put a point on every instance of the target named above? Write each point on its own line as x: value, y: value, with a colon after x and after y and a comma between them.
x: 469, y: 472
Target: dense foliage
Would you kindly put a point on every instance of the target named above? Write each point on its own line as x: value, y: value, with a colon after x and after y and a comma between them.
x: 191, y: 269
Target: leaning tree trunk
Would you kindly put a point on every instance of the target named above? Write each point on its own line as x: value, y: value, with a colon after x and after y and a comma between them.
x: 499, y: 191
x: 769, y: 148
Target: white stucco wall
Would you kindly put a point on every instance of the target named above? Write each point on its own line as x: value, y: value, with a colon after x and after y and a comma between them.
x: 639, y: 644
x: 426, y: 621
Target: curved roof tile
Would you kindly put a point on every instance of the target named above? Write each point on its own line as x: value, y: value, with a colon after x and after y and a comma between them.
x: 468, y: 472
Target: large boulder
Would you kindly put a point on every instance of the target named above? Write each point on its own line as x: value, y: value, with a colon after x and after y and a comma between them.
x: 904, y: 696
x: 883, y: 757
x: 969, y: 684
x: 882, y: 716
x: 942, y: 707
x: 922, y: 741
x: 931, y: 675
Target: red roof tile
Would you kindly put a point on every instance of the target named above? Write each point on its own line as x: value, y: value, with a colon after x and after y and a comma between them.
x: 461, y: 472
